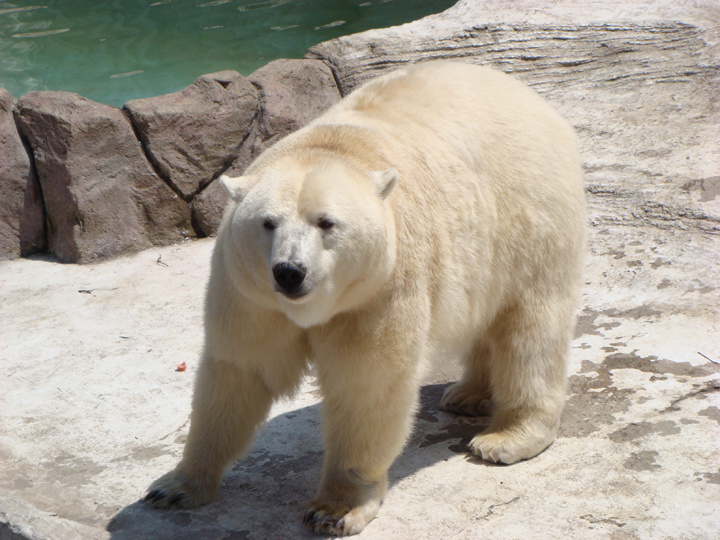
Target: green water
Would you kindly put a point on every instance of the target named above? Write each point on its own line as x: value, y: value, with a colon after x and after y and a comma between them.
x: 118, y: 50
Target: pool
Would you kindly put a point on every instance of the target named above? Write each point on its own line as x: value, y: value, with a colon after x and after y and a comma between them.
x: 118, y: 50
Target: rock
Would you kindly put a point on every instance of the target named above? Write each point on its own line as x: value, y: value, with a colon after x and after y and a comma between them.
x: 207, y: 209
x: 101, y: 196
x: 22, y: 215
x: 538, y: 40
x: 292, y: 93
x: 193, y: 135
x: 208, y: 205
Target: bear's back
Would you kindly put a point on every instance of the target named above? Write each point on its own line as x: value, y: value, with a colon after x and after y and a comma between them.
x: 448, y: 115
x: 490, y: 184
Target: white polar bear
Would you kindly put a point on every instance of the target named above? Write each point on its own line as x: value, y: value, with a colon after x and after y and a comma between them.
x: 438, y: 208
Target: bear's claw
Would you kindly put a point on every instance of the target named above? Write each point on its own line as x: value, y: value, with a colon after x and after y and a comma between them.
x: 174, y: 491
x: 177, y: 500
x: 321, y: 523
x: 161, y: 499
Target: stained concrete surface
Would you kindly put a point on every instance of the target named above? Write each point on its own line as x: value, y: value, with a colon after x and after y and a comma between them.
x: 92, y: 409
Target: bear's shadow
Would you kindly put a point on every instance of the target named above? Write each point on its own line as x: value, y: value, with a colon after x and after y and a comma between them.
x: 264, y: 495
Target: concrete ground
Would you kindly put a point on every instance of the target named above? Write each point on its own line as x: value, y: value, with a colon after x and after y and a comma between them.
x: 92, y: 408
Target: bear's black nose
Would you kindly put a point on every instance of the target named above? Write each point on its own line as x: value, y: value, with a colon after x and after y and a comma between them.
x: 289, y: 277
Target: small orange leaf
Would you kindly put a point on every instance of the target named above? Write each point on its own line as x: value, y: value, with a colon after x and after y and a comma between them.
x: 181, y: 367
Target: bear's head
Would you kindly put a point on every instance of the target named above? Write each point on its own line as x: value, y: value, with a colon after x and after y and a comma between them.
x: 311, y: 238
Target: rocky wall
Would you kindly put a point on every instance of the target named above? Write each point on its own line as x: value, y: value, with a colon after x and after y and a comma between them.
x: 639, y: 80
x: 85, y: 181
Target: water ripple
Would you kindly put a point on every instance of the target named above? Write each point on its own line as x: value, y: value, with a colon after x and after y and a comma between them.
x: 19, y: 9
x: 330, y: 25
x: 117, y: 50
x: 268, y: 4
x: 215, y: 3
x: 128, y: 74
x: 41, y: 34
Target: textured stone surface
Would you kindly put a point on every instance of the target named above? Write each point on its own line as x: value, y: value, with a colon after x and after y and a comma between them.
x: 193, y: 135
x: 208, y: 205
x: 637, y: 454
x: 101, y: 196
x: 207, y: 209
x: 292, y: 93
x: 559, y: 42
x: 22, y: 216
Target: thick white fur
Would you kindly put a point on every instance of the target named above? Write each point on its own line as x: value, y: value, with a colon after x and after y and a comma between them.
x: 458, y: 215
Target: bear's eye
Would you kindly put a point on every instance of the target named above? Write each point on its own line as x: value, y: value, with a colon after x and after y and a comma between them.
x: 269, y: 225
x: 325, y: 224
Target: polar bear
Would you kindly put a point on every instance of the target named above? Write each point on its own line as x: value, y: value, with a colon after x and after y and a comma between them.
x: 437, y: 209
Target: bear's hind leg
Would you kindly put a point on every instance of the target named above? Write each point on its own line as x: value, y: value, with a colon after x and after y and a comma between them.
x: 228, y: 404
x: 527, y: 377
x: 471, y: 395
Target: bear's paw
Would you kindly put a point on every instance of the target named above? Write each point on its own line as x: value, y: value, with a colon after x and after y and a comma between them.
x: 466, y: 399
x: 173, y: 490
x: 510, y: 446
x: 338, y: 519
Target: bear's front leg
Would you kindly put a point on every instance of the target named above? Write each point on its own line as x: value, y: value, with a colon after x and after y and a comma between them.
x: 345, y: 503
x: 370, y: 395
x: 228, y: 404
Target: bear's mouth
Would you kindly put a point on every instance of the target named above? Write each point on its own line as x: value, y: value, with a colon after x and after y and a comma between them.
x: 293, y: 296
x: 298, y: 295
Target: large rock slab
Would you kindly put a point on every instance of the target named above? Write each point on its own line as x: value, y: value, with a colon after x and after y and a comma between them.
x: 208, y: 207
x: 22, y: 215
x: 637, y: 452
x: 101, y: 196
x: 292, y: 93
x: 554, y: 42
x: 193, y: 135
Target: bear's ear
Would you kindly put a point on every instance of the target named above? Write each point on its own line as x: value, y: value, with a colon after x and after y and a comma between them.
x: 236, y: 187
x: 384, y: 181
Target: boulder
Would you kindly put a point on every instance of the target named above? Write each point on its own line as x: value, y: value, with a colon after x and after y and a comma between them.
x: 207, y: 209
x: 22, y: 215
x: 207, y: 206
x: 193, y: 135
x: 292, y: 93
x: 102, y: 198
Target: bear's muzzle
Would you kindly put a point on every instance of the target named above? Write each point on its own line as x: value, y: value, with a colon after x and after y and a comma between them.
x: 289, y: 278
